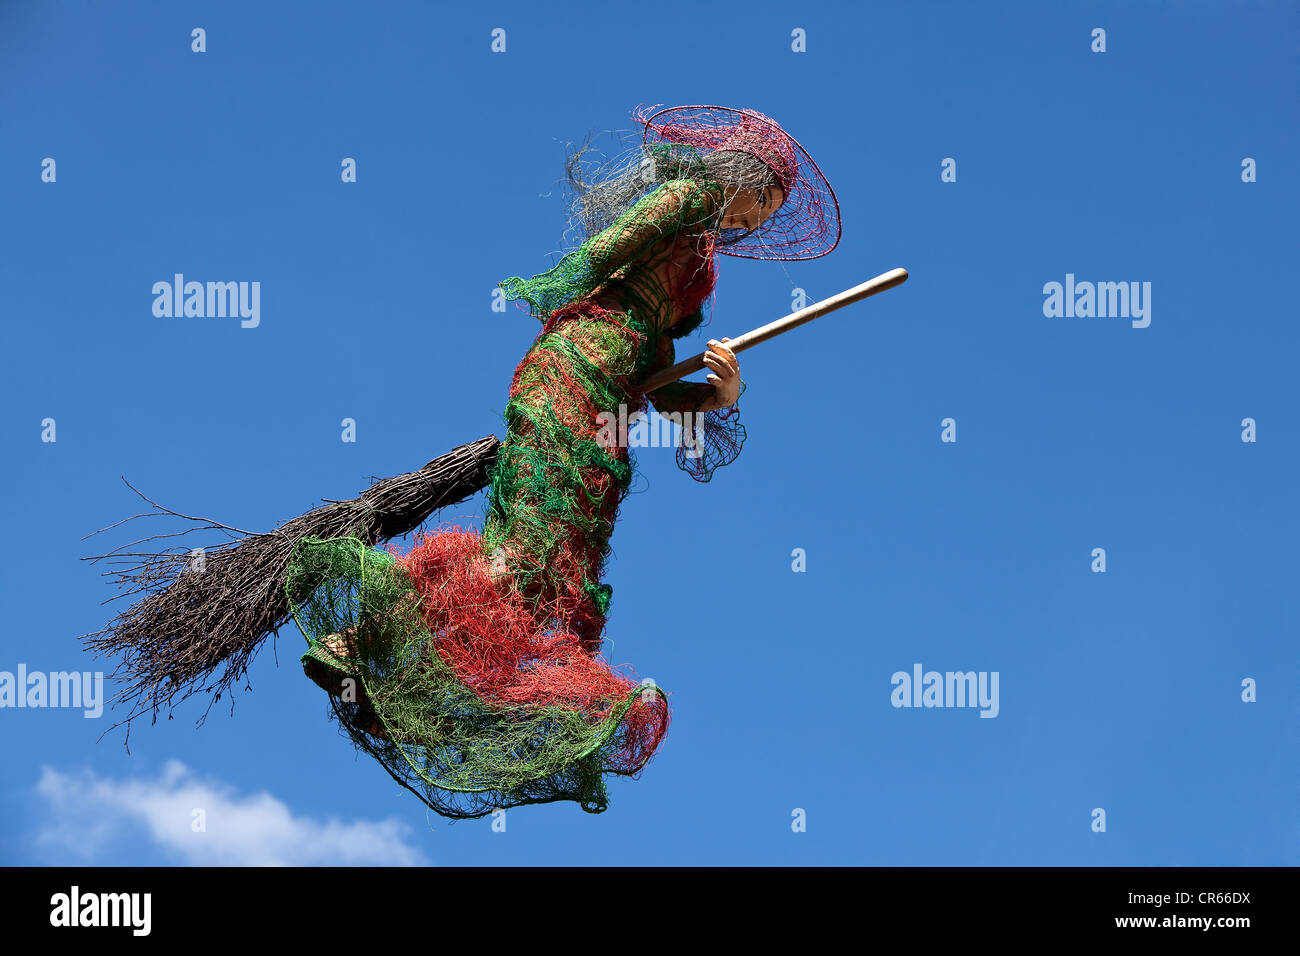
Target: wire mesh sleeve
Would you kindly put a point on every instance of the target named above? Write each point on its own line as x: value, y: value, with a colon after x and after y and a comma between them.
x: 672, y: 206
x: 710, y: 439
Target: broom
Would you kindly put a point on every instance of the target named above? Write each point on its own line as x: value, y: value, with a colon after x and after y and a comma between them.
x: 207, y: 611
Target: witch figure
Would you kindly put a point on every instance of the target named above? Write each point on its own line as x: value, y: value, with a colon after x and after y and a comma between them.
x: 470, y: 666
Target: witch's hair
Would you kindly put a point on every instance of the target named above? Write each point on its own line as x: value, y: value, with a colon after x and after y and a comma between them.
x: 601, y: 190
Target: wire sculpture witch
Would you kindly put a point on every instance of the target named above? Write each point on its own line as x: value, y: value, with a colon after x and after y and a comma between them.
x: 470, y: 666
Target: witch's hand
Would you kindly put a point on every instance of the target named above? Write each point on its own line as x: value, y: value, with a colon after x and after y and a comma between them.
x: 724, y: 374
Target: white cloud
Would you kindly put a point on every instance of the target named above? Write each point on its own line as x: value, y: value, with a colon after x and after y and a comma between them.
x: 87, y: 812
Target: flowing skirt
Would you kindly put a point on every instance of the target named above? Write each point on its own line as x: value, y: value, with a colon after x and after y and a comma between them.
x: 475, y: 657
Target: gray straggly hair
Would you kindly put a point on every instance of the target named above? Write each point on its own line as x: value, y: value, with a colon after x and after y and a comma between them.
x: 600, y: 191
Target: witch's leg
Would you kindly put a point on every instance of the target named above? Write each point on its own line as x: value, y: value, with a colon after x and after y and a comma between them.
x: 329, y: 665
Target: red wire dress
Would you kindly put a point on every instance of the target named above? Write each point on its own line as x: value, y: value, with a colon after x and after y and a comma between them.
x: 479, y: 654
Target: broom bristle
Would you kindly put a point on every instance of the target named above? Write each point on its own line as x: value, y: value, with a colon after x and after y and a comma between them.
x: 206, y: 612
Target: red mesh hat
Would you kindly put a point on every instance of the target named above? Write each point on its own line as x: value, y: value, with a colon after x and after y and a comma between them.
x: 807, y: 224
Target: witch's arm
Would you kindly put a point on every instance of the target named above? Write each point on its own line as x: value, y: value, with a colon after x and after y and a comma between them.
x: 676, y: 205
x: 682, y: 397
x: 713, y: 436
x: 721, y: 391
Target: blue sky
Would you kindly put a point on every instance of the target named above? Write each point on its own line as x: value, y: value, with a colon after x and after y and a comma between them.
x: 1119, y: 690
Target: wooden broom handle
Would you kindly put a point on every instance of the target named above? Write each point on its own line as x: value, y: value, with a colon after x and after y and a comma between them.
x: 886, y: 280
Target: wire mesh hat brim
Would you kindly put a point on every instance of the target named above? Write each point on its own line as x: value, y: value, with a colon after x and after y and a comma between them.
x: 807, y: 224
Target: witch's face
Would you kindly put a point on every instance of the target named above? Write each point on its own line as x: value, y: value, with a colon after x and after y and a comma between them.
x: 749, y: 208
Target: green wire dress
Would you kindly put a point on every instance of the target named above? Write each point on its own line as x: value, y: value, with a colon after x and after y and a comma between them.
x: 476, y: 656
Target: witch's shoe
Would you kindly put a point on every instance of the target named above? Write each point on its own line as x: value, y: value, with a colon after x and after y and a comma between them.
x: 331, y: 673
x: 325, y: 668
